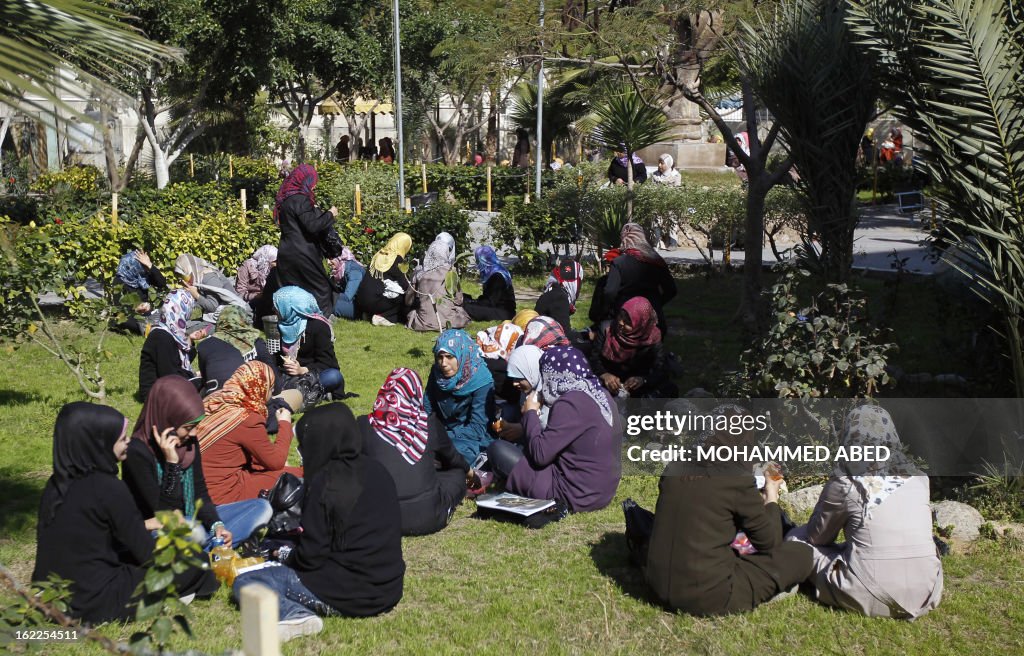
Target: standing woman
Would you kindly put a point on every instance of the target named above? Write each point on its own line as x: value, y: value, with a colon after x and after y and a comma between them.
x: 307, y: 344
x: 497, y: 301
x: 252, y: 273
x: 304, y: 228
x: 382, y: 293
x: 89, y: 530
x: 414, y: 447
x: 239, y: 460
x: 637, y: 271
x: 168, y: 349
x: 460, y: 391
x: 164, y: 470
x: 573, y: 459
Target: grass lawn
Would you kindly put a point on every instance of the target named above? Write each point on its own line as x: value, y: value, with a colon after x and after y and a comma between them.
x: 497, y: 588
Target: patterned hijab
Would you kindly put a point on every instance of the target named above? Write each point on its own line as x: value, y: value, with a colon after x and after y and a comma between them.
x: 192, y: 268
x: 565, y: 369
x: 264, y: 258
x: 488, y: 265
x: 635, y: 244
x: 131, y: 271
x: 472, y: 372
x: 338, y: 263
x: 295, y: 306
x: 172, y: 402
x: 174, y: 318
x: 245, y: 393
x: 871, y: 425
x: 544, y: 332
x: 621, y: 345
x: 440, y: 253
x: 498, y: 341
x: 397, y: 246
x: 569, y: 275
x: 524, y: 317
x: 399, y: 417
x: 233, y: 327
x: 302, y: 180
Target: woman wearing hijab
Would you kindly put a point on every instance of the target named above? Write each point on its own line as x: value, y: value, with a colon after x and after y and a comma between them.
x: 667, y: 174
x: 348, y: 560
x: 387, y: 151
x: 460, y: 391
x: 239, y: 460
x: 544, y: 332
x: 575, y: 458
x: 521, y: 153
x: 164, y: 470
x: 207, y: 284
x: 637, y: 271
x: 524, y: 317
x: 304, y: 230
x: 138, y: 278
x: 523, y: 376
x: 429, y: 473
x: 382, y: 293
x: 89, y: 530
x: 347, y: 275
x: 434, y: 297
x: 307, y: 344
x: 168, y: 349
x: 617, y: 170
x: 887, y: 566
x: 252, y: 273
x: 233, y: 343
x: 628, y: 354
x: 497, y: 301
x: 561, y: 292
x: 691, y: 563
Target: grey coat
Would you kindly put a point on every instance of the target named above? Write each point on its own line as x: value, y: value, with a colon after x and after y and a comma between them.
x: 428, y: 300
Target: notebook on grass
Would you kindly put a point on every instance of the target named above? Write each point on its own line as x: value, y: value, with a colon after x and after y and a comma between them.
x: 513, y: 503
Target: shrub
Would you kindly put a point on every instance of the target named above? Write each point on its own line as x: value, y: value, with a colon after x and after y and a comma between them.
x: 522, y: 228
x: 69, y: 195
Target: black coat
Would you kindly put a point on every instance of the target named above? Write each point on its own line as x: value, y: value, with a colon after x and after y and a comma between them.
x: 628, y: 278
x: 300, y: 261
x: 152, y: 494
x: 497, y: 301
x: 370, y: 299
x: 219, y: 360
x: 617, y: 171
x: 160, y: 357
x: 316, y: 350
x: 554, y: 303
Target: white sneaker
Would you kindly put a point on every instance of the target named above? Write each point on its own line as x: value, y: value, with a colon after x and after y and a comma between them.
x: 299, y: 626
x: 187, y: 599
x: 378, y: 320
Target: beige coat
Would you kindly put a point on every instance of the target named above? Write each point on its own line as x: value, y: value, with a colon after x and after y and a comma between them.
x: 428, y: 300
x: 888, y: 566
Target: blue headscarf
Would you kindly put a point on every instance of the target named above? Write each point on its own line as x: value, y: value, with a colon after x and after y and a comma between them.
x: 488, y: 265
x: 295, y: 305
x: 131, y: 271
x: 472, y: 373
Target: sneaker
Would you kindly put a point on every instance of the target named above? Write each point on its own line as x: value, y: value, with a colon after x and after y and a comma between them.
x: 187, y: 599
x: 482, y: 482
x: 299, y: 626
x: 378, y: 320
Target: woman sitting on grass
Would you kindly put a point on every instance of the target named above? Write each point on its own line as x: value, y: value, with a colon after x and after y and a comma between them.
x: 239, y: 460
x: 523, y: 375
x: 497, y: 301
x: 543, y: 332
x: 575, y: 458
x: 233, y: 343
x: 348, y: 560
x: 164, y: 470
x: 139, y: 278
x: 347, y: 275
x: 168, y: 349
x: 637, y: 271
x: 90, y: 531
x: 460, y: 391
x: 434, y: 297
x: 628, y: 354
x: 208, y: 285
x: 252, y: 274
x: 381, y: 294
x: 307, y: 346
x: 561, y: 292
x: 414, y: 447
x: 888, y: 566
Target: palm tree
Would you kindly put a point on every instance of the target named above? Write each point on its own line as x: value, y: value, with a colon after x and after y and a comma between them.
x: 953, y: 71
x: 39, y: 39
x: 565, y: 102
x: 627, y: 122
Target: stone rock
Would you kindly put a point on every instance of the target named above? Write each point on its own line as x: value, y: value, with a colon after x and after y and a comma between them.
x: 802, y: 501
x: 964, y: 519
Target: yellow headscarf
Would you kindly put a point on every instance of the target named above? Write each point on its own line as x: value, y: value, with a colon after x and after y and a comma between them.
x: 523, y: 317
x: 385, y: 257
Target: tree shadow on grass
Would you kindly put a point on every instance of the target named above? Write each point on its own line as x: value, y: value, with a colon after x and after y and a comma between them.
x: 611, y: 557
x: 10, y: 397
x: 19, y: 503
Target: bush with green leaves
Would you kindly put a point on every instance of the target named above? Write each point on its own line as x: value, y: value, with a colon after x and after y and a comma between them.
x: 820, y: 347
x: 522, y: 227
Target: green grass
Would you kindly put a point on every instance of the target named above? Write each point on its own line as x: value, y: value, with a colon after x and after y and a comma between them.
x: 497, y: 588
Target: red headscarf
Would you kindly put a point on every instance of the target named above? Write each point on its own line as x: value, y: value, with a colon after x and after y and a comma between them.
x: 621, y: 345
x: 172, y: 402
x: 544, y: 332
x: 398, y: 415
x: 300, y: 181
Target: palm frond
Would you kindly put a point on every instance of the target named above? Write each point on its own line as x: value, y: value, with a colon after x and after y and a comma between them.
x: 627, y: 121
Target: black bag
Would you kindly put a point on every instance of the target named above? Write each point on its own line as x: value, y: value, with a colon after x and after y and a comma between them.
x: 639, y: 526
x: 308, y: 385
x: 331, y: 244
x: 286, y: 500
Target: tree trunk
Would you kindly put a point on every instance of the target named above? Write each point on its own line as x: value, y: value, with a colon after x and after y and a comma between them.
x: 757, y: 191
x: 629, y: 185
x: 492, y: 127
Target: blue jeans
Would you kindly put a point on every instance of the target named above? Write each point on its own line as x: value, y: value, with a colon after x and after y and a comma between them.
x: 344, y: 303
x: 241, y: 518
x: 331, y: 380
x: 294, y: 599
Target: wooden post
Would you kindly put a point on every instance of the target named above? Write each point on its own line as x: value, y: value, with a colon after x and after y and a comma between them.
x: 553, y: 150
x: 469, y: 153
x: 259, y: 621
x: 191, y: 165
x: 423, y: 172
x: 231, y: 166
x: 359, y: 201
x: 526, y: 198
x: 242, y: 197
x: 408, y: 205
x: 366, y: 166
x: 489, y: 187
x: 113, y: 207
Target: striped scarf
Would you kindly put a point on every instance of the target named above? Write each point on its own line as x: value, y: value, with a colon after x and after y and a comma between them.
x: 398, y: 415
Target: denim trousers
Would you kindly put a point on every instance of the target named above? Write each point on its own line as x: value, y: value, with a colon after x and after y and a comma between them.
x: 241, y: 518
x: 294, y: 600
x: 344, y: 302
x: 332, y: 380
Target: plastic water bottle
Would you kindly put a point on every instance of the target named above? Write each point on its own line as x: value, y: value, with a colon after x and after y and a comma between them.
x: 221, y: 558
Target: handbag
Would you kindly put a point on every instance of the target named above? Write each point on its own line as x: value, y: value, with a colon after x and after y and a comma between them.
x: 330, y: 244
x: 286, y: 501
